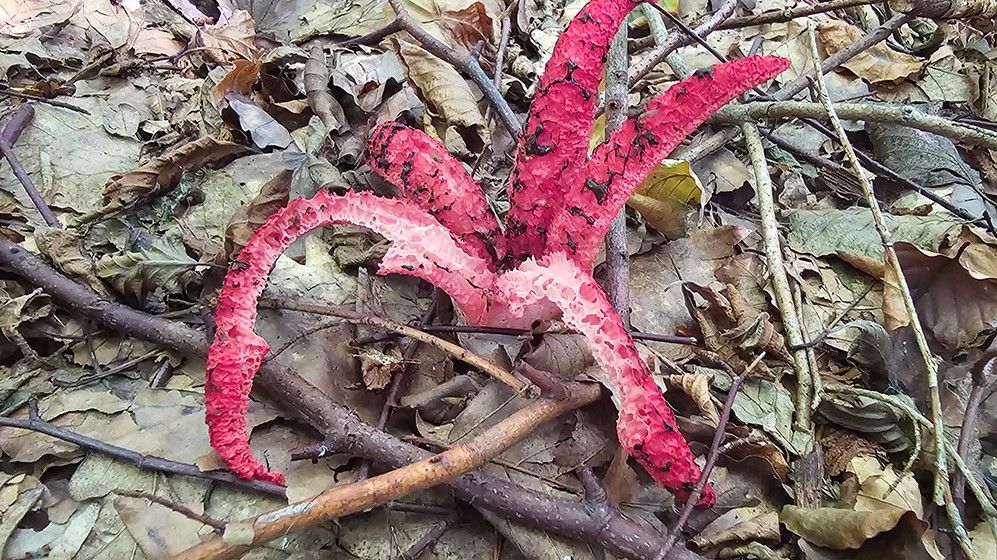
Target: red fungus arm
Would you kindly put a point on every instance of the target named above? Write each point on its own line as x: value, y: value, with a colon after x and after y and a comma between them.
x: 425, y: 172
x: 555, y: 140
x: 618, y: 166
x: 646, y: 427
x: 421, y: 247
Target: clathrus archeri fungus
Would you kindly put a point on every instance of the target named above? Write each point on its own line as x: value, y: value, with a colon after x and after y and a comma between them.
x: 537, y: 267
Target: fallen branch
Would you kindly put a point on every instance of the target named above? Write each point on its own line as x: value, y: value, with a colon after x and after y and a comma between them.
x: 36, y: 423
x: 893, y: 114
x: 343, y: 430
x: 942, y: 492
x: 378, y: 490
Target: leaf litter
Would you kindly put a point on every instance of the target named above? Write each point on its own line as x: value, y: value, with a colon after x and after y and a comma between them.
x: 170, y: 172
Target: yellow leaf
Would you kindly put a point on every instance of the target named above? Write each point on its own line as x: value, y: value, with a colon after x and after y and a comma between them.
x: 671, y: 6
x: 669, y: 198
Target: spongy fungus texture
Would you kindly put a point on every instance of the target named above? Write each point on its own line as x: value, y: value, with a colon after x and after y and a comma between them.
x: 443, y: 232
x: 426, y: 174
x: 646, y: 427
x: 420, y: 247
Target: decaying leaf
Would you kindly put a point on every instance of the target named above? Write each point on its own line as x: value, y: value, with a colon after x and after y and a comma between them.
x: 879, y: 63
x: 444, y: 90
x: 230, y: 40
x: 458, y: 23
x: 265, y: 131
x: 697, y: 387
x: 877, y: 422
x: 240, y: 79
x: 158, y: 270
x: 939, y: 283
x: 883, y: 499
x: 320, y: 99
x: 379, y: 367
x: 740, y: 525
x: 273, y: 196
x: 160, y: 175
x: 670, y: 199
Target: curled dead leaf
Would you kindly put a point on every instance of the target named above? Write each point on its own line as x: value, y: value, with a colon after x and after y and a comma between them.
x: 161, y: 174
x: 697, y: 386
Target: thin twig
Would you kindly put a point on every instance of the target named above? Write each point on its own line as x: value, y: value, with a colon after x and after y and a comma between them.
x: 374, y: 37
x: 16, y: 124
x: 431, y: 536
x: 659, y: 35
x: 500, y: 55
x: 711, y: 459
x: 902, y: 115
x: 617, y: 252
x: 36, y: 423
x: 984, y: 383
x: 675, y: 41
x: 651, y: 337
x: 831, y: 327
x: 455, y: 351
x: 789, y: 14
x: 45, y: 100
x: 778, y: 277
x: 217, y: 525
x: 941, y: 465
x: 463, y: 62
x: 359, y: 496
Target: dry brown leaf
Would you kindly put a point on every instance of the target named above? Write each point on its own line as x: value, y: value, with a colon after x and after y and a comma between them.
x: 158, y: 531
x: 620, y: 480
x: 19, y: 18
x: 841, y: 446
x: 231, y: 40
x: 458, y: 23
x: 838, y: 529
x: 561, y: 354
x: 161, y: 174
x: 321, y: 100
x: 240, y: 79
x: 379, y: 367
x: 739, y: 527
x: 442, y: 88
x: 62, y: 247
x: 939, y: 283
x: 883, y: 489
x: 273, y: 196
x: 876, y: 64
x: 697, y: 386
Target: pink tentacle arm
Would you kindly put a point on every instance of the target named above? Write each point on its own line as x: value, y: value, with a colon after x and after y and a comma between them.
x: 645, y: 426
x: 421, y: 247
x: 555, y: 139
x: 425, y: 172
x: 617, y: 167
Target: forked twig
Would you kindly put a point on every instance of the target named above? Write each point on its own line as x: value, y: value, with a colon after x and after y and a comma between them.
x: 942, y: 494
x: 36, y: 423
x: 374, y: 491
x: 457, y: 352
